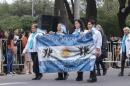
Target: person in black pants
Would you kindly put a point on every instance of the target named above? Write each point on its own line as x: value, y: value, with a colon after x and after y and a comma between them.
x: 125, y: 49
x: 31, y: 48
x: 78, y: 30
x: 34, y: 56
x: 97, y: 38
x: 62, y: 76
x: 99, y: 60
x: 124, y: 57
x: 61, y: 30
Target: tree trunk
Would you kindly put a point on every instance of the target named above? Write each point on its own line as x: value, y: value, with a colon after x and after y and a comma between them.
x: 123, y: 14
x: 72, y: 2
x: 76, y: 9
x: 91, y: 9
x: 70, y: 14
x: 56, y: 7
x: 60, y: 10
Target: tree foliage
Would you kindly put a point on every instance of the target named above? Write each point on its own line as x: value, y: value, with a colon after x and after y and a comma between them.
x: 16, y: 22
x: 124, y: 11
x: 17, y: 14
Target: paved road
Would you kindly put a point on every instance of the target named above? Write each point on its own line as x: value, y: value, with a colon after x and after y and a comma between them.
x: 111, y: 79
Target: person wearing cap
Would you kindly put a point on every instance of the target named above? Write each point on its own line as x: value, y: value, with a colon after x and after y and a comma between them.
x: 125, y: 49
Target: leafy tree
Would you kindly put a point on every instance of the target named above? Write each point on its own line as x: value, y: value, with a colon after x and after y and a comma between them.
x: 124, y: 10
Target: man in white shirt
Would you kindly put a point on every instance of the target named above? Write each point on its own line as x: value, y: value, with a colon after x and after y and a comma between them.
x: 97, y: 37
x: 31, y: 48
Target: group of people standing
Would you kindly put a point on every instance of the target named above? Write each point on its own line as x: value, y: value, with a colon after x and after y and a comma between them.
x: 100, y: 47
x: 31, y: 64
x: 99, y: 50
x: 11, y: 45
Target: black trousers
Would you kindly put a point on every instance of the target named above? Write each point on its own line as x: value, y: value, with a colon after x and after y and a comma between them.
x: 123, y: 62
x: 93, y: 74
x: 62, y: 74
x: 99, y: 61
x: 79, y: 75
x: 34, y: 56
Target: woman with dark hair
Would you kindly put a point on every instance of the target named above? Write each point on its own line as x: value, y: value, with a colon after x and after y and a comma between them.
x: 78, y: 29
x: 10, y: 53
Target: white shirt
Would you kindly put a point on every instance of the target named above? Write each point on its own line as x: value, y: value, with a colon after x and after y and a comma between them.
x: 16, y: 38
x: 77, y: 31
x: 86, y: 31
x: 41, y: 31
x: 34, y: 48
x: 60, y: 33
x: 127, y: 43
x: 97, y: 37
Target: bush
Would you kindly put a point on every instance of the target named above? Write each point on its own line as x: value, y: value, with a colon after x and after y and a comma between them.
x: 16, y: 22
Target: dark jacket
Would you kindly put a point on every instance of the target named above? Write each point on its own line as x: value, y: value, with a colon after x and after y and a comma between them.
x: 104, y: 47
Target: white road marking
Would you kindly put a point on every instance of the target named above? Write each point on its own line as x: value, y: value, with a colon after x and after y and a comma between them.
x: 13, y: 83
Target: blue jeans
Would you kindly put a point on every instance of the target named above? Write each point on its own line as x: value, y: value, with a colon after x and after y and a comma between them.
x: 9, y: 60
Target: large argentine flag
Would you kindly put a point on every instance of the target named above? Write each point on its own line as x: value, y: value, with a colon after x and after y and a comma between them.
x: 65, y: 53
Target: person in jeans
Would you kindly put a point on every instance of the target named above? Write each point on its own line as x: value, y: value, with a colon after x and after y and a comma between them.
x: 10, y: 53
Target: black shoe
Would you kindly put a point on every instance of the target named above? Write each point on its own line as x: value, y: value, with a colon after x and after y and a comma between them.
x: 66, y: 77
x: 91, y: 80
x: 129, y: 74
x: 98, y: 74
x: 117, y: 67
x: 79, y: 79
x: 39, y: 77
x: 34, y: 78
x: 104, y: 72
x: 59, y: 78
x: 121, y: 74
